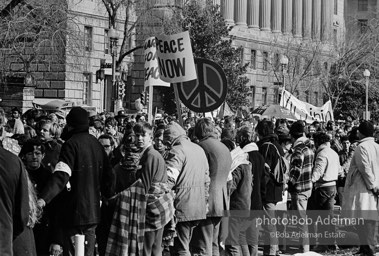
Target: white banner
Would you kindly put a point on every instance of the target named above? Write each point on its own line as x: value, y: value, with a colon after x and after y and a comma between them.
x: 152, y: 76
x: 305, y: 111
x: 175, y: 58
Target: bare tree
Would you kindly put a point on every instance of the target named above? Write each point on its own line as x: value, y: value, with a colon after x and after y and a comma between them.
x: 142, y: 19
x: 36, y: 32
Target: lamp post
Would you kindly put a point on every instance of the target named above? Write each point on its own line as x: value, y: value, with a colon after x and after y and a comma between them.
x: 366, y: 74
x: 284, y: 63
x: 113, y: 38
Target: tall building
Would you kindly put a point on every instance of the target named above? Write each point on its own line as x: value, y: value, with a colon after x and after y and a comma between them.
x: 359, y: 14
x: 305, y: 31
x: 72, y: 77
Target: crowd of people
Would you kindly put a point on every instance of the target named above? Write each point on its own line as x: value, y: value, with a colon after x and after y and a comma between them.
x: 201, y: 188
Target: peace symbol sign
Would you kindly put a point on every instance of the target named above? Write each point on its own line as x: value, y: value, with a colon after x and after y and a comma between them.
x: 208, y: 91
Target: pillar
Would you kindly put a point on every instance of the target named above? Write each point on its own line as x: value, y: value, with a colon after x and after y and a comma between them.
x: 241, y: 12
x: 253, y: 14
x: 228, y: 11
x: 276, y: 16
x: 287, y: 17
x: 316, y: 19
x: 326, y: 19
x: 297, y: 18
x: 265, y: 15
x: 307, y: 18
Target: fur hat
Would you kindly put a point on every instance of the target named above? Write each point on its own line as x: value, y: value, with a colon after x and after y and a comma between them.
x: 77, y: 117
x: 366, y: 128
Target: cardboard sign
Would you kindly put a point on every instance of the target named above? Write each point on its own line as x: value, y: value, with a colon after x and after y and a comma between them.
x: 175, y: 58
x: 152, y: 75
x: 305, y: 111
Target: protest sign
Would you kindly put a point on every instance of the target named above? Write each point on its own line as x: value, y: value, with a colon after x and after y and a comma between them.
x: 305, y: 111
x: 175, y: 58
x: 152, y: 76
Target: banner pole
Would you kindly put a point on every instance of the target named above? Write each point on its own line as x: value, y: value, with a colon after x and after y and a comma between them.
x: 150, y: 107
x: 178, y: 107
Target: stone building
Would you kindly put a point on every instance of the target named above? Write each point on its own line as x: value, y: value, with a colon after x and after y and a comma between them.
x: 73, y: 77
x: 303, y: 30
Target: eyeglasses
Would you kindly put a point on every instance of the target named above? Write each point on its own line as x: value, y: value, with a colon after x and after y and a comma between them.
x: 106, y: 146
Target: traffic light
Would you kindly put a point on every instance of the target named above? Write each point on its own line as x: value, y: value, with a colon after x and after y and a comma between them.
x: 147, y: 98
x: 143, y: 99
x: 121, y: 89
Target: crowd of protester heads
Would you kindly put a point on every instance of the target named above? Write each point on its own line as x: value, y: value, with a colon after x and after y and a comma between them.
x: 38, y: 134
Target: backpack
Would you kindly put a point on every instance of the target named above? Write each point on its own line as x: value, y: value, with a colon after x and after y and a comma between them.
x: 279, y: 175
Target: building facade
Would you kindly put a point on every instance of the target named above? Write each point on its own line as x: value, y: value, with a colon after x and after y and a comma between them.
x: 305, y: 31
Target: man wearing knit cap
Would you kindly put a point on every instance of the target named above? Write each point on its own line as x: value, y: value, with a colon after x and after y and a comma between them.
x: 362, y: 188
x: 83, y: 169
x: 188, y: 174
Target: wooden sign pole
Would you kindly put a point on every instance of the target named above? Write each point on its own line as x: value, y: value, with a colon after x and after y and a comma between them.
x: 178, y: 107
x: 150, y: 107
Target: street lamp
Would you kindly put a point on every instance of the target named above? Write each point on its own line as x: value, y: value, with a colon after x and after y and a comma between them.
x: 284, y: 63
x: 366, y: 74
x: 113, y: 38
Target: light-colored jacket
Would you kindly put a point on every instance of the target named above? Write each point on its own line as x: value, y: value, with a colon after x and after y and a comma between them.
x: 363, y: 175
x: 326, y: 167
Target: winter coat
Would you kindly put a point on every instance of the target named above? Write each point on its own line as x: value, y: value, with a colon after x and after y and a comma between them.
x: 90, y: 177
x: 220, y: 161
x: 258, y: 172
x: 363, y: 175
x: 269, y: 148
x: 188, y: 173
x: 326, y: 167
x: 52, y: 151
x: 14, y: 200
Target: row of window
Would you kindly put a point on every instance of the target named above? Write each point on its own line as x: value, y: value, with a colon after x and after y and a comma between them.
x: 88, y: 40
x: 276, y: 62
x: 264, y: 96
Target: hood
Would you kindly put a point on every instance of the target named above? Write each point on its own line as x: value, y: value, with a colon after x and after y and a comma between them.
x: 250, y: 147
x: 304, y: 140
x: 173, y: 131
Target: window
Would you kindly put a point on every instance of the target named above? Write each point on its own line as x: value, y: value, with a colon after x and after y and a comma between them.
x: 88, y: 38
x: 264, y: 96
x: 252, y: 93
x: 106, y: 42
x: 87, y: 89
x: 316, y: 98
x: 335, y: 36
x: 297, y: 65
x: 362, y: 5
x: 363, y: 26
x: 306, y: 96
x: 253, y: 59
x: 265, y: 61
x: 276, y: 62
x: 335, y: 7
x: 317, y: 68
x: 242, y: 55
x: 276, y: 95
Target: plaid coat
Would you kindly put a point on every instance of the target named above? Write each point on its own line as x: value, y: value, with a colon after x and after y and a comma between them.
x: 301, y: 165
x: 134, y: 208
x: 128, y: 226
